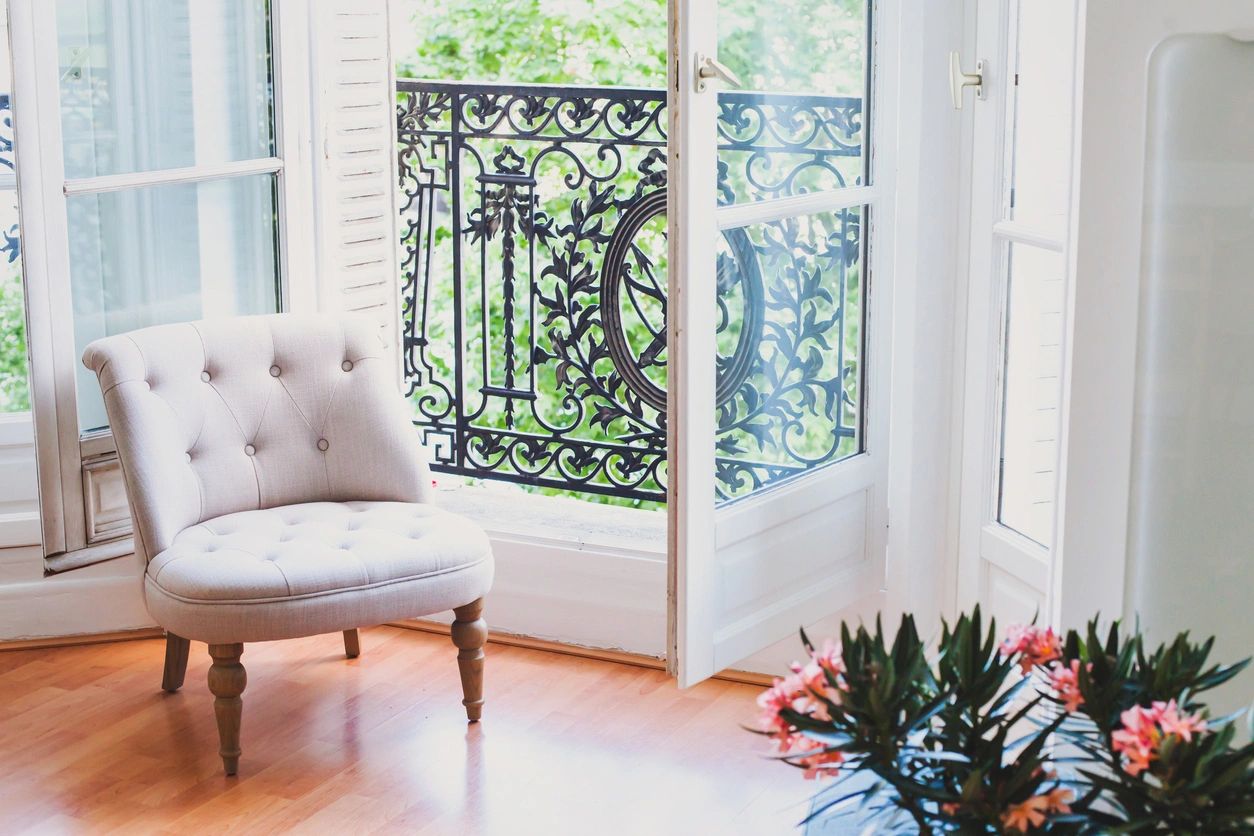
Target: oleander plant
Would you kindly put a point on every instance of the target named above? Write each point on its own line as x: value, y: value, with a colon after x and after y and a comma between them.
x: 1034, y: 732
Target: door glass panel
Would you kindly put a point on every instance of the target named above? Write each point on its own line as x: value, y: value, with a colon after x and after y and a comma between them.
x: 1040, y: 108
x: 169, y: 253
x: 155, y: 85
x: 798, y: 124
x: 790, y: 348
x: 1031, y: 391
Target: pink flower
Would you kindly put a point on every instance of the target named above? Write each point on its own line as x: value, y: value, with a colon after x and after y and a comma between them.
x: 830, y: 658
x: 1170, y: 721
x: 775, y: 699
x: 1066, y: 682
x: 813, y: 755
x: 1032, y: 813
x: 1038, y: 646
x: 813, y: 682
x: 1026, y: 814
x: 1143, y: 731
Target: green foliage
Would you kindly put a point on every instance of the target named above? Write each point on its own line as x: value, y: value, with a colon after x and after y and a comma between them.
x: 14, y: 393
x: 1203, y: 785
x: 613, y: 42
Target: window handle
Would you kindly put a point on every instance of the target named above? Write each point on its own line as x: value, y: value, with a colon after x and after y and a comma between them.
x: 958, y: 80
x: 708, y: 68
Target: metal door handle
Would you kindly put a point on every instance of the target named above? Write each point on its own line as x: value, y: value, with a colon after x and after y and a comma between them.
x: 708, y: 68
x: 958, y: 80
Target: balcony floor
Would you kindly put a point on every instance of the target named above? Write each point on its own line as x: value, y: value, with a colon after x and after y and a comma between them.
x: 380, y: 745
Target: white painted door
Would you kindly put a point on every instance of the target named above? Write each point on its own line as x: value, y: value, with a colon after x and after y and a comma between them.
x: 779, y: 293
x: 1021, y: 177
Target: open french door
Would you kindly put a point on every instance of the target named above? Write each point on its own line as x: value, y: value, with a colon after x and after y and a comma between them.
x: 778, y: 303
x: 1019, y: 250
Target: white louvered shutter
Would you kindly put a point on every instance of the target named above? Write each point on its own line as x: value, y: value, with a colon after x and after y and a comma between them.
x: 354, y: 113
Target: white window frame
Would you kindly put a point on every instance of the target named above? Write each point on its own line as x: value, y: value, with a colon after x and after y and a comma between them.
x: 61, y: 450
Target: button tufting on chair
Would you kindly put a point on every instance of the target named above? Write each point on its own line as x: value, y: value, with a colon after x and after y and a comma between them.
x: 288, y: 543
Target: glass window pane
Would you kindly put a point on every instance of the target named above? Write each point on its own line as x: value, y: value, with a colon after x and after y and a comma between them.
x: 1043, y: 68
x: 14, y: 392
x: 169, y: 253
x: 790, y: 339
x: 1030, y: 417
x: 798, y: 124
x: 154, y: 85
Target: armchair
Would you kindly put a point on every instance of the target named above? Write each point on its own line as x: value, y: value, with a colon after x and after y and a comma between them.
x: 278, y: 490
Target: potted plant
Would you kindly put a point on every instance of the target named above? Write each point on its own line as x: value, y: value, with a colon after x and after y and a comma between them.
x: 1074, y: 733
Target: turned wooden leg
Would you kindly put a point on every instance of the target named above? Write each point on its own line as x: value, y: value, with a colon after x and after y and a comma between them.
x: 226, y: 681
x: 352, y: 644
x: 469, y: 633
x: 176, y: 648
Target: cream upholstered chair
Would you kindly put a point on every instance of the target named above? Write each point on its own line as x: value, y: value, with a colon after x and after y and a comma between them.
x: 278, y: 490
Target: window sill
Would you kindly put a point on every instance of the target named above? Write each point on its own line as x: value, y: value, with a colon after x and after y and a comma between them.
x: 507, y: 511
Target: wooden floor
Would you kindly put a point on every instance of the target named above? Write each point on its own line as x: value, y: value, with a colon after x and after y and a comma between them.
x: 379, y: 744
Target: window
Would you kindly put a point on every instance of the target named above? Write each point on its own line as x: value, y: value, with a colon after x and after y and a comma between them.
x: 155, y: 192
x: 168, y: 139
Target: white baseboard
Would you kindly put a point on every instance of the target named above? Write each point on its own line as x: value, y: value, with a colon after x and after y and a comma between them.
x: 552, y: 591
x: 68, y: 606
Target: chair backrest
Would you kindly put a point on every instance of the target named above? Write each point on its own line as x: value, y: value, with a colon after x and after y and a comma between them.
x: 228, y: 415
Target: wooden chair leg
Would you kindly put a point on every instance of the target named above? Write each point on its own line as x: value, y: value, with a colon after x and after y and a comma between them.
x: 352, y: 644
x: 176, y: 648
x: 469, y: 633
x: 226, y: 681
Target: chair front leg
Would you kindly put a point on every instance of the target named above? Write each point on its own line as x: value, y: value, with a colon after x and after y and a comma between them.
x: 176, y: 648
x: 470, y: 632
x: 226, y: 682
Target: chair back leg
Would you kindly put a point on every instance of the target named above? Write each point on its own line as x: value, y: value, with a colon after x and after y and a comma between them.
x: 176, y: 648
x: 352, y: 644
x: 470, y: 633
x: 226, y: 681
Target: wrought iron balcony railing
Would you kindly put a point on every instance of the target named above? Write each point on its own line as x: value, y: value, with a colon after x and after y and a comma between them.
x: 534, y: 275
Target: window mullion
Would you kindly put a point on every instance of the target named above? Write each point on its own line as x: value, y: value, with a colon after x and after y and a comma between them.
x: 169, y: 176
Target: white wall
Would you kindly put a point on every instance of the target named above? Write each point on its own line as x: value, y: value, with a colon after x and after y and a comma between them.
x: 1190, y: 564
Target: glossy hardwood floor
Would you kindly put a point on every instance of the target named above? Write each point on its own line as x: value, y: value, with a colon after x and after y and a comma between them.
x: 379, y: 744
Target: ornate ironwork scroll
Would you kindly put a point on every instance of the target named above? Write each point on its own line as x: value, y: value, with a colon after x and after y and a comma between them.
x: 534, y: 281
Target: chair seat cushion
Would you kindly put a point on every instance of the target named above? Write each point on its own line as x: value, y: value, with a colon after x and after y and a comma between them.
x: 298, y: 570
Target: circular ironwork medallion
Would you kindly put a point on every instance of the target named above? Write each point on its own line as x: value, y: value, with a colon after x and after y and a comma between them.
x: 633, y: 302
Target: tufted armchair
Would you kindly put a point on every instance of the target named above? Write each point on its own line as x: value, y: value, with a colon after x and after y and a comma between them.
x: 278, y: 490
